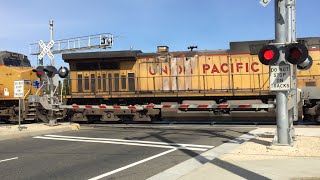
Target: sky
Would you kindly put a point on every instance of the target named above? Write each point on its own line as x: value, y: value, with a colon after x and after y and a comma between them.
x: 146, y: 24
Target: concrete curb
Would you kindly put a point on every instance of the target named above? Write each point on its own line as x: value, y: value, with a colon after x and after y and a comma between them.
x: 37, y: 132
x: 164, y: 126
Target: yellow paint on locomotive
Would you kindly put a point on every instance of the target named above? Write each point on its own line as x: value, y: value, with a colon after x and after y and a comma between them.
x: 9, y: 74
x: 201, y: 74
x: 311, y: 77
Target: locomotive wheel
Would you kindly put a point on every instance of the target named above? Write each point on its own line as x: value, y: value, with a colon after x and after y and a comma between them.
x: 141, y: 117
x: 109, y: 116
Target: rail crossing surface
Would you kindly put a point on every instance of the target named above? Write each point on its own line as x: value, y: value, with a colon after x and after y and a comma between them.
x: 149, y: 151
x: 110, y: 151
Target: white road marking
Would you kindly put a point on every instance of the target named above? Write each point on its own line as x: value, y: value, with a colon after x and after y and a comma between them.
x: 9, y: 159
x: 131, y: 165
x: 134, y: 141
x: 123, y: 143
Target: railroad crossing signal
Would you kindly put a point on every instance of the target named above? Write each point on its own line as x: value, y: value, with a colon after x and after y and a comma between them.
x: 51, y: 71
x: 295, y: 53
x: 46, y: 49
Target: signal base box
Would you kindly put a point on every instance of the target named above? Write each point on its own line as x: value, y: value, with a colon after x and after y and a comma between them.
x: 280, y: 77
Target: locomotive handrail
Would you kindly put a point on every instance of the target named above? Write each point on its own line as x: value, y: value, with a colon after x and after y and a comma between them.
x: 204, y: 84
x: 61, y: 93
x: 55, y: 89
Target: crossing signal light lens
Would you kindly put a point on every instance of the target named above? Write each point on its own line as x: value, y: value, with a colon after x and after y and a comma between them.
x: 296, y: 53
x: 63, y: 72
x: 39, y: 74
x: 39, y: 71
x: 269, y: 54
x: 50, y: 70
x: 305, y: 65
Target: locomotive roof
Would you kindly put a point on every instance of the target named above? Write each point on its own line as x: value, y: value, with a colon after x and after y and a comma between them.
x: 101, y: 55
x: 251, y: 47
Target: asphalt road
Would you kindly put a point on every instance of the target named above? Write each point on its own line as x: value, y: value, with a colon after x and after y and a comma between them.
x: 110, y: 151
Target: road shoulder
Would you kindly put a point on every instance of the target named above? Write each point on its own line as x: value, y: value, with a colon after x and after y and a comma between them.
x: 12, y: 131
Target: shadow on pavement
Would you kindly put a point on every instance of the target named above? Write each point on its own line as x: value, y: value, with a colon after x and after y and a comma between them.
x: 244, y: 173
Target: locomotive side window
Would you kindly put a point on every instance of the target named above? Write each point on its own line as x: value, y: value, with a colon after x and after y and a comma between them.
x: 116, y: 82
x: 86, y: 83
x: 123, y: 82
x: 311, y: 83
x: 87, y: 66
x: 93, y: 83
x: 104, y: 84
x: 79, y: 83
x: 131, y: 81
x: 110, y: 82
x: 99, y: 82
x: 109, y: 65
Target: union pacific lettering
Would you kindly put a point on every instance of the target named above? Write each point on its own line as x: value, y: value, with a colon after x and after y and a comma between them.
x: 212, y: 69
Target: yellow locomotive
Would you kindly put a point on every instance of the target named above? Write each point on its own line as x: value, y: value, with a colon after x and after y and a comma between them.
x: 15, y: 66
x: 211, y: 76
x: 223, y: 73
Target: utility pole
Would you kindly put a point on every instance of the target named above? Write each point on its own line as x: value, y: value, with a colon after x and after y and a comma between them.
x: 52, y: 119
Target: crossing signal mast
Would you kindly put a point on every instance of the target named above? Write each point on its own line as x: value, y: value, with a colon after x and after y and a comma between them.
x: 51, y: 73
x: 283, y: 56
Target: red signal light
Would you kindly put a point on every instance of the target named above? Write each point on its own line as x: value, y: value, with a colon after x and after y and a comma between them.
x: 39, y: 71
x: 269, y: 55
x: 39, y: 74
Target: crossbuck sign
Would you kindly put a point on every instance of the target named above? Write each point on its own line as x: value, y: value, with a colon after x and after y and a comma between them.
x: 46, y: 49
x: 264, y: 3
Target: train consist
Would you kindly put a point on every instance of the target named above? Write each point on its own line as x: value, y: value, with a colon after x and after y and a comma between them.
x: 136, y: 86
